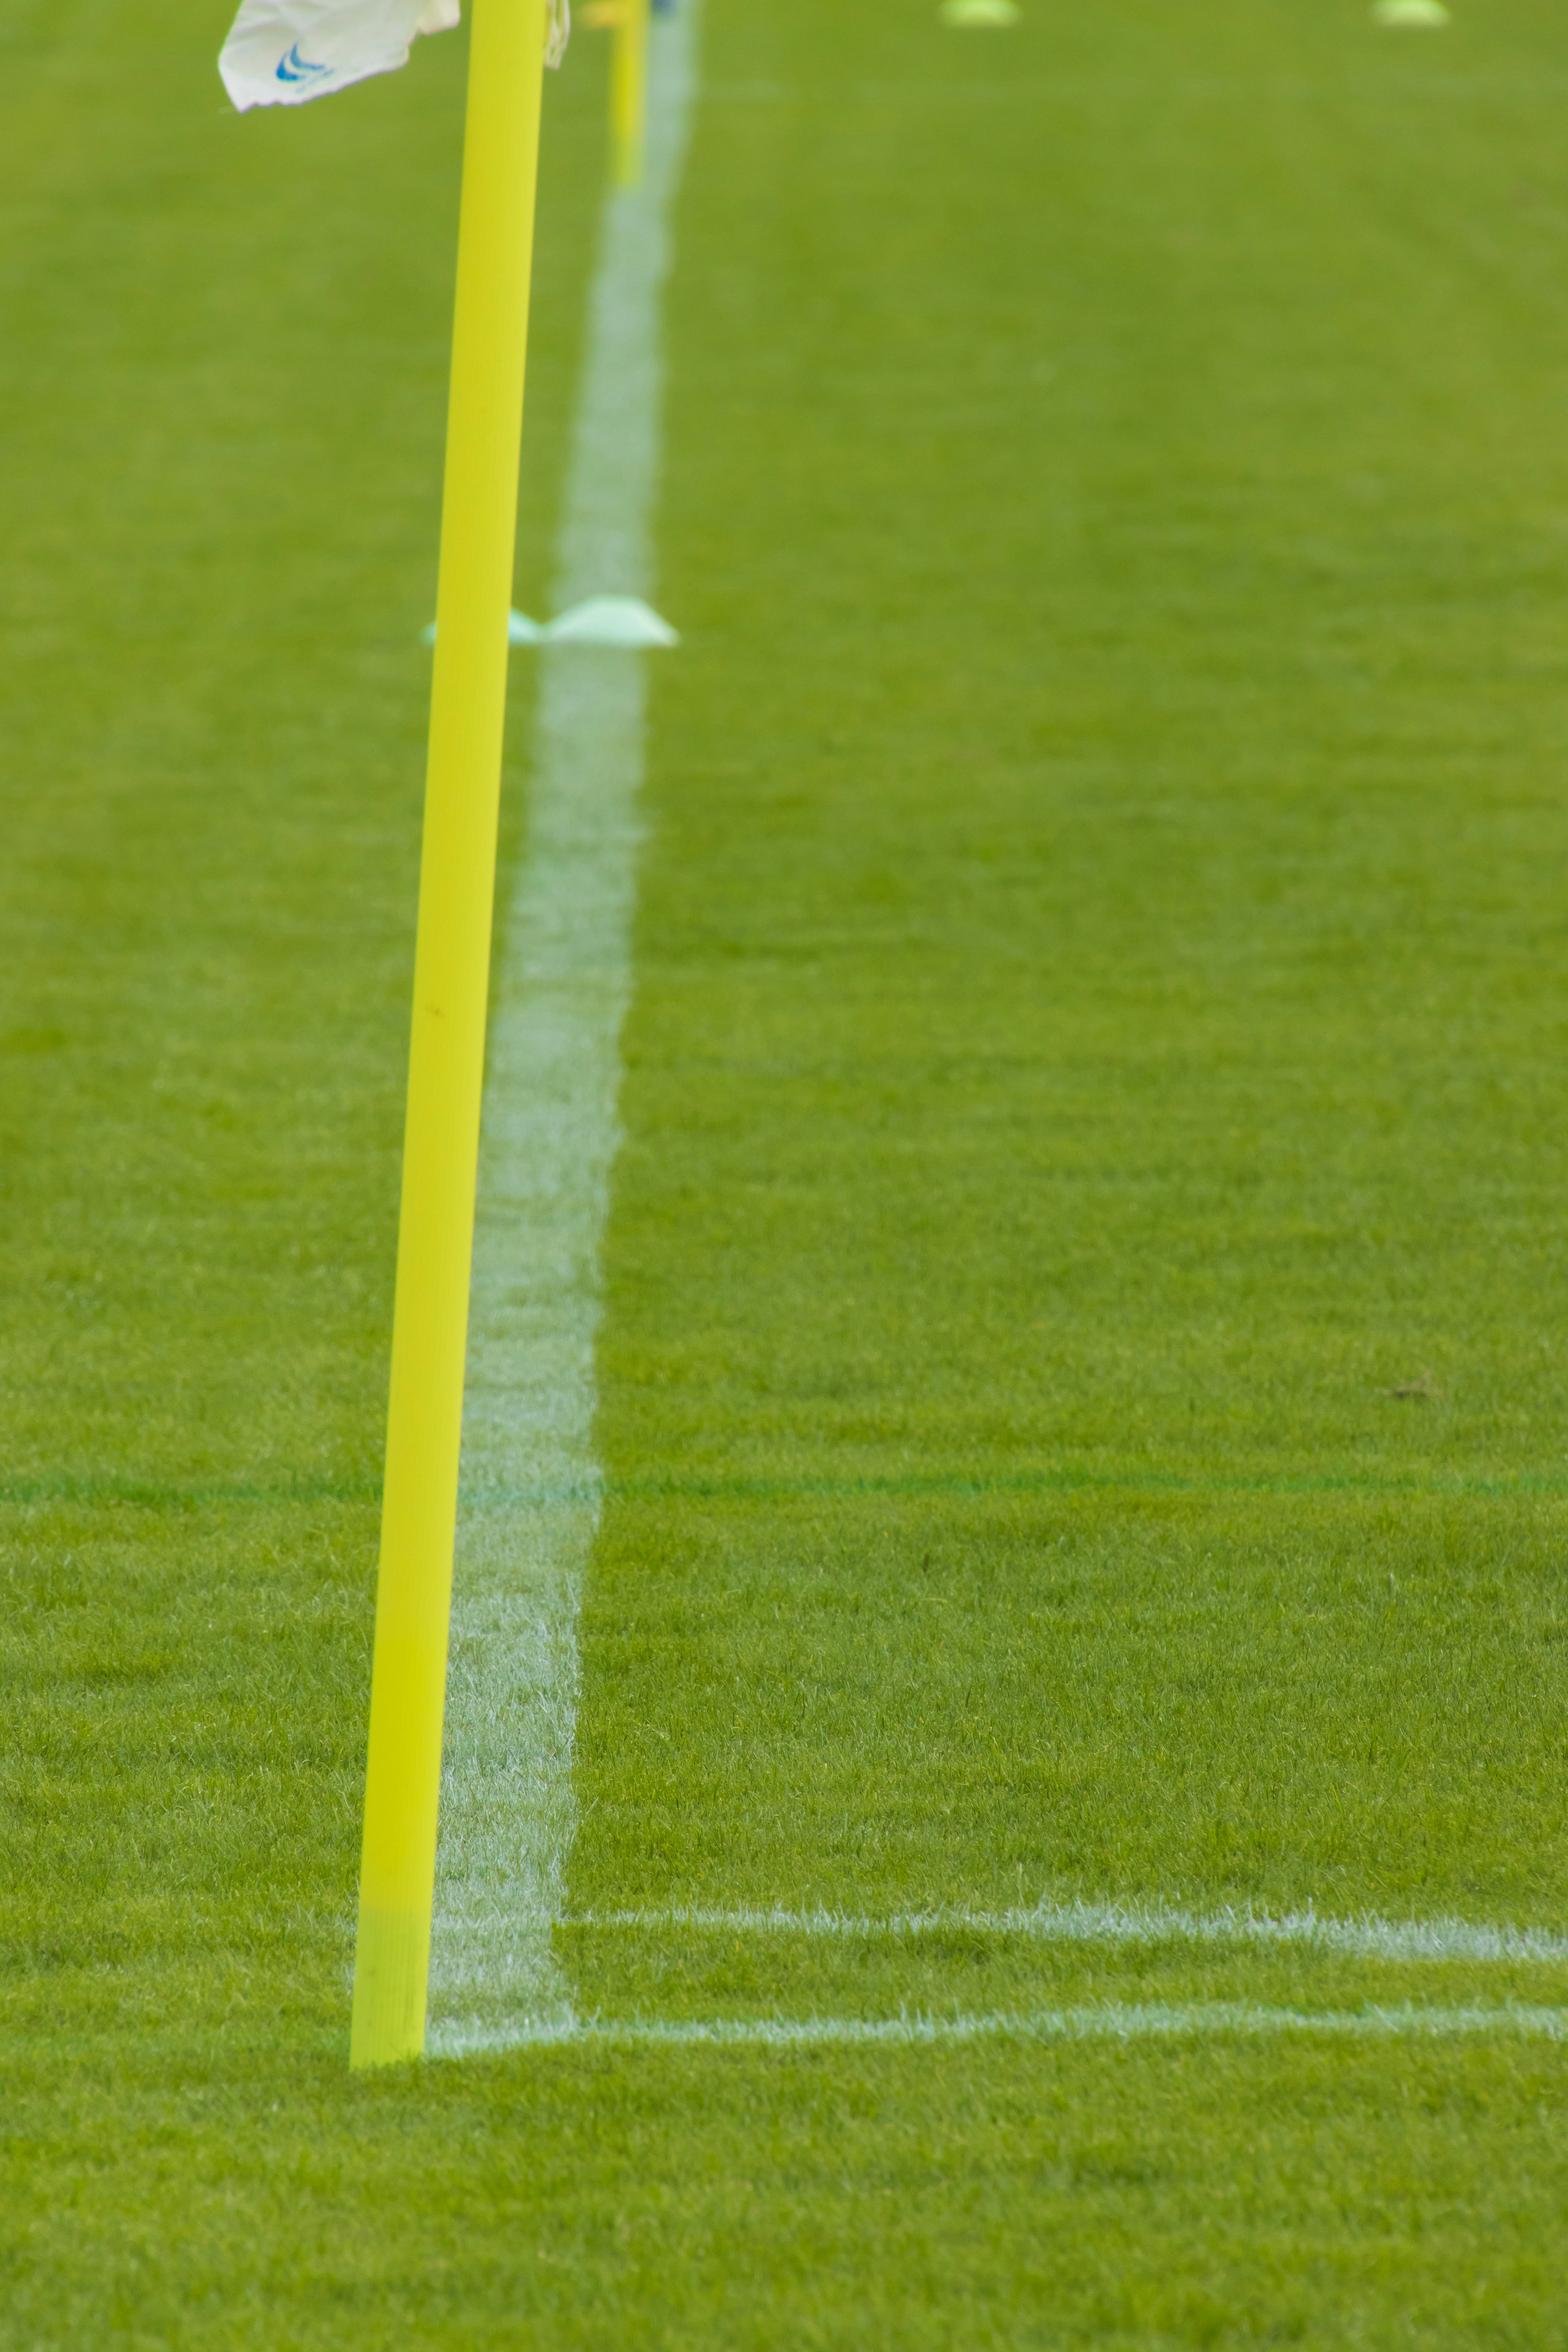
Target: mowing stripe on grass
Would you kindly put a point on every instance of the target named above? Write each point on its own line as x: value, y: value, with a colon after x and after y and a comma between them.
x: 1102, y: 2021
x: 1120, y: 1923
x: 531, y: 1488
x: 1066, y: 1478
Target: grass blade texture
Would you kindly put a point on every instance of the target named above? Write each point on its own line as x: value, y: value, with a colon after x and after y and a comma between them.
x: 1072, y: 1820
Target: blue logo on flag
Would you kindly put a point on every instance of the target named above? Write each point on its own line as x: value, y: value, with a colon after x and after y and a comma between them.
x: 294, y: 67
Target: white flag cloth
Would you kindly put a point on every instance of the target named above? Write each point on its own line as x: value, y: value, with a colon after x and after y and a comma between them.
x: 282, y: 52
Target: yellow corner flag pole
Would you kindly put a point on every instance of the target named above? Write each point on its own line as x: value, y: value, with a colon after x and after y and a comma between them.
x: 451, y: 975
x: 626, y: 21
x: 628, y: 90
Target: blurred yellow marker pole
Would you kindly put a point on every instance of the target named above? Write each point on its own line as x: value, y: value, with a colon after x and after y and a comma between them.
x: 451, y: 975
x: 629, y: 92
x: 627, y: 20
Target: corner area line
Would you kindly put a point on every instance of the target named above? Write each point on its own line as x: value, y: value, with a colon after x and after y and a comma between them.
x: 1367, y: 1938
x: 1116, y: 2021
x: 548, y: 1144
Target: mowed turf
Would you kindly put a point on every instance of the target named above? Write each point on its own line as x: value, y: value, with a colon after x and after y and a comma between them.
x: 1082, y: 1383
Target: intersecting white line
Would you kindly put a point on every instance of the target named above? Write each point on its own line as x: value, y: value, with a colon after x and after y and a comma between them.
x: 1098, y: 2021
x: 1366, y: 1937
x: 531, y: 1484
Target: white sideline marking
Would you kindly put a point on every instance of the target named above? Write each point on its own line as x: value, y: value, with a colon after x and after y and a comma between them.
x: 1101, y: 2022
x: 549, y: 1140
x: 1125, y: 1923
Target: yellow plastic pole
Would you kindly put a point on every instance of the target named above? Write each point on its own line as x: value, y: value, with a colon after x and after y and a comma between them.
x: 628, y: 90
x: 451, y: 974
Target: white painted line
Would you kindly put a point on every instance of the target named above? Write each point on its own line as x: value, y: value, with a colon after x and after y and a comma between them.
x: 1101, y: 2022
x: 1122, y: 1923
x: 548, y: 1145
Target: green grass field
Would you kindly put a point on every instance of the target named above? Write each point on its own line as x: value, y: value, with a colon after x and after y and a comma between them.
x: 1082, y: 1388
